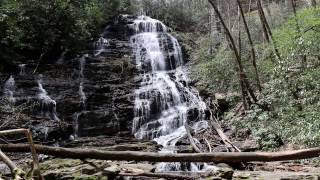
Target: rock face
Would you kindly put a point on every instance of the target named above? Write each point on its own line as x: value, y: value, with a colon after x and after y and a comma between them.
x: 93, y: 93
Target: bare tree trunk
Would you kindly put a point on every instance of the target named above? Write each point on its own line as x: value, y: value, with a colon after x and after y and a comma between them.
x: 218, y: 157
x: 303, y: 57
x: 243, y: 80
x: 264, y: 28
x: 253, y: 52
x: 267, y: 29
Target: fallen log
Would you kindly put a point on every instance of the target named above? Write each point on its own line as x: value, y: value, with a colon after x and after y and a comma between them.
x: 159, y: 175
x: 217, y: 157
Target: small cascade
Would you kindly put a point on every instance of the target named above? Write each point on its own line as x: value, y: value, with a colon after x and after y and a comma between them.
x: 61, y: 58
x: 22, y: 68
x: 82, y: 96
x: 47, y: 104
x: 76, y: 125
x: 164, y: 102
x: 9, y: 89
x: 100, y: 46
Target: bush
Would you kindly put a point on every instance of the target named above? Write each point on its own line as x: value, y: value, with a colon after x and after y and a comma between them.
x: 35, y: 27
x: 289, y: 104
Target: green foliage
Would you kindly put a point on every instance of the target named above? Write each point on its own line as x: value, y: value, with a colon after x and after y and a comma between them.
x: 289, y: 105
x: 215, y: 72
x: 113, y: 8
x: 293, y: 120
x: 180, y: 15
x: 36, y: 27
x: 299, y: 37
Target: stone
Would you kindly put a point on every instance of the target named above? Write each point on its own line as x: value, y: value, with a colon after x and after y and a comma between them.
x: 139, y: 167
x: 112, y: 170
x: 224, y: 171
x: 108, y: 83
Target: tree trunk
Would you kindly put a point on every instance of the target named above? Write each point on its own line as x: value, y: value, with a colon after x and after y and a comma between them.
x: 267, y: 29
x: 302, y: 56
x: 243, y: 80
x: 218, y: 157
x: 253, y: 52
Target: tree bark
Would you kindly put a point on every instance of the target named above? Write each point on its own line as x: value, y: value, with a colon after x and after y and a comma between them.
x: 267, y: 29
x: 253, y: 52
x: 314, y: 3
x: 218, y: 157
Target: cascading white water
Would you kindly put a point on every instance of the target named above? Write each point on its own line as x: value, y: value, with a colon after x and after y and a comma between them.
x: 61, y: 58
x: 164, y: 102
x: 47, y: 104
x: 9, y: 89
x: 22, y: 68
x: 82, y: 95
x: 100, y: 46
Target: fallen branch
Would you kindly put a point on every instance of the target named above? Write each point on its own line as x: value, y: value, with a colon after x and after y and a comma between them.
x: 193, y: 144
x: 217, y: 157
x: 224, y: 138
x: 27, y: 133
x: 208, y: 144
x: 16, y: 172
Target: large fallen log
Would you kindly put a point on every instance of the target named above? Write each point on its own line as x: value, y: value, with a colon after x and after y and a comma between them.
x: 160, y: 175
x: 217, y: 157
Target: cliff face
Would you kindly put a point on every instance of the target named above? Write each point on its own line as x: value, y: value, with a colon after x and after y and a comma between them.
x: 93, y: 92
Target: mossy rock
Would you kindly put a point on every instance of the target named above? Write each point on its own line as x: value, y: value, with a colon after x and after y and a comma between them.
x: 59, y: 164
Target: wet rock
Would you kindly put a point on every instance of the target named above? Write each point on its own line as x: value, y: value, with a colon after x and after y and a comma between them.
x: 221, y: 101
x: 112, y: 170
x: 247, y: 145
x: 108, y: 84
x: 225, y: 171
x: 185, y: 149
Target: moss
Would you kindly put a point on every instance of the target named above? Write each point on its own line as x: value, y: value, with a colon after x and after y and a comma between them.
x: 59, y: 164
x: 87, y: 178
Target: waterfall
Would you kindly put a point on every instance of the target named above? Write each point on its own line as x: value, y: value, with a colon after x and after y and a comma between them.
x: 100, y: 46
x: 164, y: 102
x: 61, y: 58
x: 82, y: 96
x: 9, y: 89
x: 47, y: 104
x: 22, y: 68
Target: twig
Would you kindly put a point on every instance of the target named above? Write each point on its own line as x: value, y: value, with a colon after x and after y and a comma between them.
x: 28, y: 134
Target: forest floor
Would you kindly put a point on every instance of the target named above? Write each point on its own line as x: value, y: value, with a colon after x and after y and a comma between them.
x: 63, y: 169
